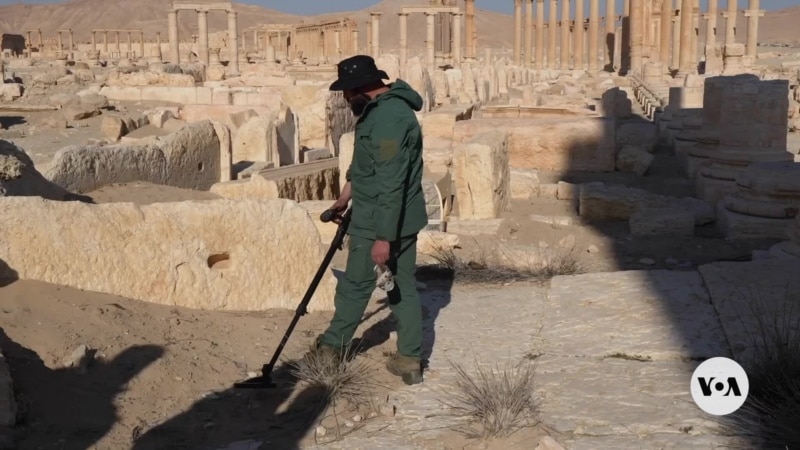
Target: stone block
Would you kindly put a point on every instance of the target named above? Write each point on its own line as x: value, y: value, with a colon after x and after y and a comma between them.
x: 269, y: 138
x: 315, y: 208
x: 121, y: 93
x: 10, y: 91
x: 346, y: 148
x: 635, y: 159
x: 567, y: 191
x: 600, y: 202
x: 217, y: 255
x: 662, y: 222
x: 481, y: 172
x: 440, y: 123
x: 551, y: 143
x: 204, y: 95
x: 315, y: 154
x: 435, y: 242
x: 524, y: 183
x: 303, y: 182
x: 437, y: 159
x: 188, y: 158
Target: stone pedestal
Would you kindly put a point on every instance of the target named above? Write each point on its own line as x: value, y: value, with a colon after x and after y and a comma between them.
x: 752, y: 128
x: 733, y: 59
x: 685, y: 104
x: 765, y: 203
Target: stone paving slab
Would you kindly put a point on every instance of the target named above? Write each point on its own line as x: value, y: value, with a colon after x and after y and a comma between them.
x: 662, y: 441
x: 486, y: 326
x: 660, y: 314
x: 744, y: 291
x: 586, y: 396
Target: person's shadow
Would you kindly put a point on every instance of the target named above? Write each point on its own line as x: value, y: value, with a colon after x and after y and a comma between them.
x: 64, y: 405
x: 243, y: 419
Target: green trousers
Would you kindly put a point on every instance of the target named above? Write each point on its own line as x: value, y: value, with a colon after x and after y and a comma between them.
x: 354, y: 290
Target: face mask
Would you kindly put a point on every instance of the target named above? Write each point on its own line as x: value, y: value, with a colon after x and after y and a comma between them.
x: 358, y: 103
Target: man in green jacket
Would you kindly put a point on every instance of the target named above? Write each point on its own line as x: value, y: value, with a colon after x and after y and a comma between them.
x: 384, y: 182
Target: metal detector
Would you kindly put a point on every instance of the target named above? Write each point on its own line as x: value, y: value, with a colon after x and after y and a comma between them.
x: 265, y: 380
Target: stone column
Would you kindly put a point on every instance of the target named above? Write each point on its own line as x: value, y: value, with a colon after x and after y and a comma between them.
x: 565, y: 44
x: 676, y: 40
x: 685, y: 60
x: 695, y: 33
x: 130, y: 44
x: 403, y: 40
x: 376, y: 34
x: 611, y: 29
x: 594, y: 33
x: 337, y: 43
x: 105, y: 42
x: 469, y: 28
x: 711, y: 23
x: 666, y: 28
x: 552, y: 26
x: 71, y: 42
x: 355, y: 40
x: 637, y: 34
x: 625, y: 60
x: 60, y: 43
x: 457, y: 40
x: 730, y: 23
x: 141, y: 44
x: 158, y: 46
x: 94, y: 41
x: 517, y: 31
x: 117, y: 46
x: 577, y: 37
x: 430, y: 55
x: 174, y: 51
x: 528, y: 32
x: 752, y: 14
x: 539, y: 56
x: 233, y: 45
x: 202, y: 39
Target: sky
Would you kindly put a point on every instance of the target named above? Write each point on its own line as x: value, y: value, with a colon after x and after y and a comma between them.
x: 310, y: 7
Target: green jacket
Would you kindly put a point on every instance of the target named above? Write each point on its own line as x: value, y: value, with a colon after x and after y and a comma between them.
x: 386, y: 172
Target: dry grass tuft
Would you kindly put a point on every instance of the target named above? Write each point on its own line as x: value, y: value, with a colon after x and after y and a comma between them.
x: 337, y: 378
x: 771, y: 413
x: 501, y: 266
x: 496, y: 401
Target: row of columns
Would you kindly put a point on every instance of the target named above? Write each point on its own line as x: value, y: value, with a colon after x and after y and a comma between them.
x: 430, y: 38
x: 671, y: 40
x: 202, y: 38
x: 117, y: 42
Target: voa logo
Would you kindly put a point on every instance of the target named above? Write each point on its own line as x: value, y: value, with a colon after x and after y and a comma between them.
x: 719, y: 386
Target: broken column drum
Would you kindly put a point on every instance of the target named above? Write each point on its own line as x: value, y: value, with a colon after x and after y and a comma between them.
x: 765, y: 204
x: 753, y: 125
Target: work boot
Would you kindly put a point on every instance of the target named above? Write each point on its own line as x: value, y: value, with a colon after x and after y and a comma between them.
x: 406, y: 367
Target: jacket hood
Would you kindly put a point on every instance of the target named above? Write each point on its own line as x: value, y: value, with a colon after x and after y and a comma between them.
x: 401, y: 89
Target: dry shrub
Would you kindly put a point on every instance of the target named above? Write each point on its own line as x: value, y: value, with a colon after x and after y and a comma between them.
x: 771, y: 413
x: 496, y: 401
x: 338, y: 379
x: 500, y: 266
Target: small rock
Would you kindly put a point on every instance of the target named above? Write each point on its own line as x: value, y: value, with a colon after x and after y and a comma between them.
x: 647, y: 261
x: 253, y: 374
x: 80, y: 359
x: 357, y: 418
x: 543, y: 244
x: 592, y: 249
x: 548, y: 443
x: 349, y: 424
x: 567, y: 241
x: 567, y: 191
x: 321, y: 431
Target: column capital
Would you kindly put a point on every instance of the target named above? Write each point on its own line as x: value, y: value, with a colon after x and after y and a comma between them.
x: 173, y: 12
x: 429, y: 13
x: 232, y: 13
x: 402, y: 14
x: 458, y: 14
x: 375, y: 13
x: 754, y: 12
x: 202, y: 11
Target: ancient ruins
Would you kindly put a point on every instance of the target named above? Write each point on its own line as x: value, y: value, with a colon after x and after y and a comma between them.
x: 654, y: 141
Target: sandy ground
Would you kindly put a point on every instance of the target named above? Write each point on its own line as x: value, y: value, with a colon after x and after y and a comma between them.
x: 162, y: 375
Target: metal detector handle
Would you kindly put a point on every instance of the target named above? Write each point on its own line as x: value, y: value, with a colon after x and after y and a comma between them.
x: 344, y: 222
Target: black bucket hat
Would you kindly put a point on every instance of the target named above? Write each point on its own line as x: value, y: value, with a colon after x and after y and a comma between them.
x: 357, y: 71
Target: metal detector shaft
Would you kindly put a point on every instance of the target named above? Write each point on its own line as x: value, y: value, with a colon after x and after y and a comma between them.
x: 302, y: 308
